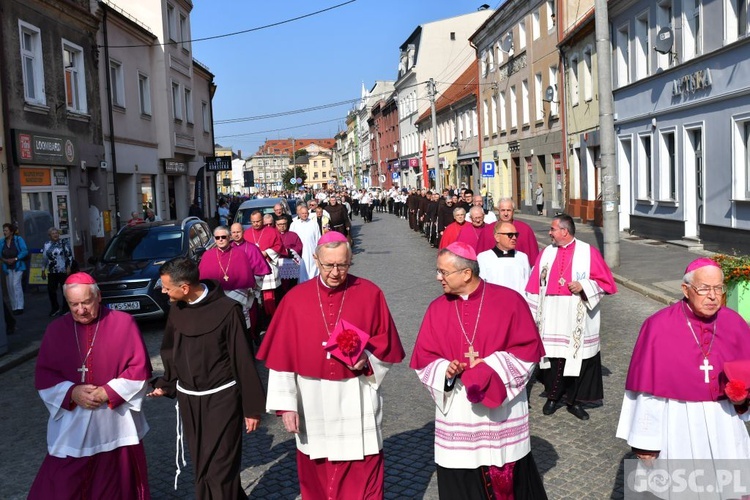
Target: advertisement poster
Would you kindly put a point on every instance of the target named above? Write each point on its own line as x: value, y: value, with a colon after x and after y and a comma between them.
x: 35, y: 269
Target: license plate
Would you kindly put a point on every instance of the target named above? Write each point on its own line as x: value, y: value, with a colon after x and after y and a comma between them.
x: 125, y: 306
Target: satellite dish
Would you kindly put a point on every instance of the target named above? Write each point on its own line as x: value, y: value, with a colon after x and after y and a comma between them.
x: 549, y: 94
x: 664, y: 40
x: 506, y: 45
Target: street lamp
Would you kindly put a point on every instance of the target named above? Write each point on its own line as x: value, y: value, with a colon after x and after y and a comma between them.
x: 294, y: 158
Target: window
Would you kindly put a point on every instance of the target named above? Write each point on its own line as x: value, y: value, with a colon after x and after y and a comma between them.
x: 573, y: 79
x: 535, y: 29
x: 31, y: 63
x: 645, y: 191
x: 206, y: 116
x: 491, y: 60
x: 525, y: 102
x: 500, y: 54
x: 171, y: 23
x: 176, y: 101
x: 736, y: 19
x: 664, y: 19
x: 692, y: 32
x: 325, y: 174
x: 184, y: 32
x: 474, y: 123
x: 538, y: 103
x: 588, y: 75
x: 189, y: 106
x: 623, y: 55
x: 741, y: 157
x: 483, y: 62
x: 550, y: 15
x: 117, y: 82
x: 554, y: 104
x: 642, y: 46
x: 502, y: 111
x: 75, y: 77
x: 513, y: 108
x: 522, y: 35
x: 493, y: 114
x: 668, y: 167
x: 144, y: 93
x: 486, y: 117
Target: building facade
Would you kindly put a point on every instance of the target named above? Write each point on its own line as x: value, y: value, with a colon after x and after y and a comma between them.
x: 683, y: 119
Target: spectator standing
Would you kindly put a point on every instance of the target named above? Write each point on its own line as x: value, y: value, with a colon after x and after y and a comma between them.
x: 14, y: 264
x: 539, y: 196
x: 57, y: 259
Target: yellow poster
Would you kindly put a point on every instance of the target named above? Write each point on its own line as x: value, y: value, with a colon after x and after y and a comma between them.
x: 35, y: 270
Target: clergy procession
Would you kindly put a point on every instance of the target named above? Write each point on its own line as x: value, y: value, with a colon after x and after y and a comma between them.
x: 395, y: 344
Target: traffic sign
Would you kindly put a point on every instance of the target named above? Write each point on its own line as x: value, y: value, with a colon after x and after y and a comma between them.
x: 488, y: 169
x: 292, y: 181
x: 395, y: 176
x: 299, y: 180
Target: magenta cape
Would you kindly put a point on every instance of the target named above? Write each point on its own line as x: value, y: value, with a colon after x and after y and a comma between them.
x: 450, y: 233
x: 240, y: 269
x: 118, y: 352
x: 526, y: 240
x: 666, y: 358
x: 505, y: 325
x: 599, y: 272
x: 291, y: 241
x: 294, y: 340
x: 480, y: 238
x: 257, y: 261
x: 265, y: 238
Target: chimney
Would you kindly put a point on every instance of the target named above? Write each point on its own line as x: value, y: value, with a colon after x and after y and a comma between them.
x: 239, y: 154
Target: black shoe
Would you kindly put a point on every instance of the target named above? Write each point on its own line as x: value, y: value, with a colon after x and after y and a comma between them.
x: 578, y: 411
x: 18, y: 312
x: 549, y: 407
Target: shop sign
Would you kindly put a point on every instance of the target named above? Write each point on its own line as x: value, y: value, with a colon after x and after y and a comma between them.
x: 413, y: 162
x: 218, y: 163
x: 35, y: 177
x: 404, y: 163
x: 689, y: 84
x: 174, y: 167
x: 61, y: 177
x: 44, y: 149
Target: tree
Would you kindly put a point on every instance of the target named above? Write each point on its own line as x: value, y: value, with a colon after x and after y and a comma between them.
x: 287, y: 176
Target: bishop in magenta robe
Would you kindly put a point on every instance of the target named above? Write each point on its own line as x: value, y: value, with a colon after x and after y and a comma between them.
x: 92, y: 373
x: 334, y: 409
x: 475, y: 358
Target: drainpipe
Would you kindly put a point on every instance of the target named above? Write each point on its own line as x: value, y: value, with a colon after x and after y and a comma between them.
x: 113, y: 154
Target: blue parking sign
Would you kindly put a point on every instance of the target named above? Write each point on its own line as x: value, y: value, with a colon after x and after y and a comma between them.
x: 488, y: 169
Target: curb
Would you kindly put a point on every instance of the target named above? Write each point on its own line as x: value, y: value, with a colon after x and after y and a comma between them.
x: 644, y: 290
x: 11, y: 360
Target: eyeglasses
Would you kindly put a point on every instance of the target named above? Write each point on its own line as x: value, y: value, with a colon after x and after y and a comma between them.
x: 705, y: 290
x: 445, y: 274
x: 331, y: 267
x: 509, y: 235
x: 221, y: 237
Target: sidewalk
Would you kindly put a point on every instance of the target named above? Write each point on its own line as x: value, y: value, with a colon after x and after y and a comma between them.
x: 652, y: 268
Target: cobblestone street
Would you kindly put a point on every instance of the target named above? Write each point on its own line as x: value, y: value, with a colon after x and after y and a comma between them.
x: 577, y: 459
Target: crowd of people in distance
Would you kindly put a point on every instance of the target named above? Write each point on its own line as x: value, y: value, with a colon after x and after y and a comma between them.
x: 280, y: 292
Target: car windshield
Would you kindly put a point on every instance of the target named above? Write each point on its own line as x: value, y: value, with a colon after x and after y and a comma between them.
x: 243, y: 215
x: 144, y: 245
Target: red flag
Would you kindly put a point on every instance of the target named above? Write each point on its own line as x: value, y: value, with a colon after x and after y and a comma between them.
x: 425, y: 173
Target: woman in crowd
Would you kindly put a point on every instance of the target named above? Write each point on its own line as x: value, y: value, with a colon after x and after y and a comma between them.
x: 13, y: 255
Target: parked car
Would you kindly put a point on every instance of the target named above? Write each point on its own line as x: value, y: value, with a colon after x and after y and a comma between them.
x: 128, y: 271
x: 265, y: 205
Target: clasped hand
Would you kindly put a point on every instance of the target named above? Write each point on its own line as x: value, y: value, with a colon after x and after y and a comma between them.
x: 89, y: 396
x: 456, y: 367
x: 360, y: 364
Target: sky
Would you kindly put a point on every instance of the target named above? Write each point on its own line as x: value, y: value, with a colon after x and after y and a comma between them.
x: 316, y: 61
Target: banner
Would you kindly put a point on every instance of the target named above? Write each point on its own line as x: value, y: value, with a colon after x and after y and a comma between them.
x: 425, y: 178
x: 200, y: 189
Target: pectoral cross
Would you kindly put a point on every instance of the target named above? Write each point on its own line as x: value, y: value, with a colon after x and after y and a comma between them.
x: 83, y: 371
x: 472, y: 354
x: 328, y: 354
x: 226, y: 278
x: 561, y: 281
x: 706, y: 368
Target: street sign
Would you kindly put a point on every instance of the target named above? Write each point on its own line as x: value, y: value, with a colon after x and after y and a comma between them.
x: 218, y: 163
x: 395, y: 176
x: 488, y: 169
x: 292, y: 181
x: 299, y: 180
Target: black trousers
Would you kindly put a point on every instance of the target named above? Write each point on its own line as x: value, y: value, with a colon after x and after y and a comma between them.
x: 55, y: 281
x: 585, y: 388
